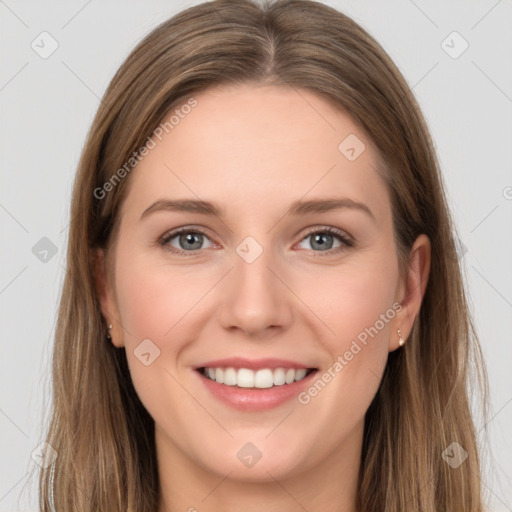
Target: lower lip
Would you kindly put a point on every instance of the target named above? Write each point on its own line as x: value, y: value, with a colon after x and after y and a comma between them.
x: 255, y: 399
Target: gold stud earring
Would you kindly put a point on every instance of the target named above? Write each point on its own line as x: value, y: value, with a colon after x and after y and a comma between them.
x: 109, y: 337
x: 401, y: 341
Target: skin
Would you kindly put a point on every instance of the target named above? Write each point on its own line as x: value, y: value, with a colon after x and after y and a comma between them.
x: 254, y: 150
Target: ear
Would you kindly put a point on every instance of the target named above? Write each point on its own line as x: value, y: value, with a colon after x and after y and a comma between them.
x: 106, y: 298
x: 413, y: 289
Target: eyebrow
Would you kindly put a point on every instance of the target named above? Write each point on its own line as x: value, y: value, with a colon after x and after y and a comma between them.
x: 296, y: 208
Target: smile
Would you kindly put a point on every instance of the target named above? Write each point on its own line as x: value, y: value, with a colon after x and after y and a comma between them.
x: 263, y: 378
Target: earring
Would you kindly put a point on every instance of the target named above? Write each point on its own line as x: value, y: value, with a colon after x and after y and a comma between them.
x: 109, y: 337
x: 401, y: 341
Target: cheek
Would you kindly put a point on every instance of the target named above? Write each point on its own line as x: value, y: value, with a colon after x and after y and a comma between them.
x: 152, y: 298
x: 157, y: 302
x: 153, y: 302
x: 357, y: 304
x: 351, y: 297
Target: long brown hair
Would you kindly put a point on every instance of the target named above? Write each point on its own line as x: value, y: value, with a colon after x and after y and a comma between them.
x: 101, y: 432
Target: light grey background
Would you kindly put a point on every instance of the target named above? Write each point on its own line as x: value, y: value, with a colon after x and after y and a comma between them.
x: 47, y: 107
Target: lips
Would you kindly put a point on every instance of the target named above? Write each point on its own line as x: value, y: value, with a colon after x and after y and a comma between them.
x: 254, y: 373
x: 254, y: 384
x: 252, y: 364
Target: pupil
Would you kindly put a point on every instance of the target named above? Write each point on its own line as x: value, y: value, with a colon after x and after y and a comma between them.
x: 189, y: 238
x: 318, y: 239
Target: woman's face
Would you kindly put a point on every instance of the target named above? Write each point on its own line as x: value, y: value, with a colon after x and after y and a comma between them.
x: 258, y: 287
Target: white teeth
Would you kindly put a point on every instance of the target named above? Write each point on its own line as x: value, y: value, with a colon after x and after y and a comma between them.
x: 290, y: 376
x: 300, y: 374
x: 245, y: 378
x: 279, y: 376
x: 230, y: 377
x: 264, y: 378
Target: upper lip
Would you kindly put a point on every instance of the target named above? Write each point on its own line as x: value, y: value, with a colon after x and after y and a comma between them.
x: 252, y: 364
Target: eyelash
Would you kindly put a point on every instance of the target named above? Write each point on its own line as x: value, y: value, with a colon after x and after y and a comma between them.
x: 346, y: 242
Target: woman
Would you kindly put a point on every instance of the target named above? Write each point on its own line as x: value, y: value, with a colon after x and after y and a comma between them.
x: 309, y: 350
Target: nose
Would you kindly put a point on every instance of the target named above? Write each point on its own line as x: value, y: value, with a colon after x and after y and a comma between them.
x: 256, y: 299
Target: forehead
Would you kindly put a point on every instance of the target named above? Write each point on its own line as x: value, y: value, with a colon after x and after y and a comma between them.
x: 257, y: 146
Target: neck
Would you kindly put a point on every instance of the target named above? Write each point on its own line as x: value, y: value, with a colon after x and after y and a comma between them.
x: 329, y: 486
